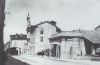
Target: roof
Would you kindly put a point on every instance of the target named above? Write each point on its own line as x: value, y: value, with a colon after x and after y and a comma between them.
x: 18, y: 37
x: 97, y: 27
x: 33, y: 27
x: 91, y: 35
x: 66, y: 34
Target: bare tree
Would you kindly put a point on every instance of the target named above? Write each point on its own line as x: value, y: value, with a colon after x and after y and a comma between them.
x: 2, y: 18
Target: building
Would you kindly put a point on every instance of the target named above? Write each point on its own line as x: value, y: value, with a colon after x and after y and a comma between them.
x: 76, y: 43
x: 68, y: 44
x: 38, y: 35
x: 48, y: 38
x: 97, y: 28
x: 19, y: 43
x: 94, y: 37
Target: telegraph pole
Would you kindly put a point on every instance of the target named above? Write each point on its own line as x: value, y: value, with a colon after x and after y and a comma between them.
x: 3, y: 56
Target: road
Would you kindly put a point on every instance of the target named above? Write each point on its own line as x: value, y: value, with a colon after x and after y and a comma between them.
x: 34, y: 60
x: 13, y: 61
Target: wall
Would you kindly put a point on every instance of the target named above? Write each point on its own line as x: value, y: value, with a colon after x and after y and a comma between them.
x: 21, y: 45
x: 70, y: 48
x: 48, y: 29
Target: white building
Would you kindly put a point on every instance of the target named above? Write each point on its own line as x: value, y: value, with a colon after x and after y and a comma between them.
x: 38, y: 35
x: 67, y: 44
x: 76, y: 44
x: 19, y: 41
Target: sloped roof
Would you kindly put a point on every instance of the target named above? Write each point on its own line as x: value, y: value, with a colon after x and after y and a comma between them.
x: 66, y: 33
x: 58, y: 29
x: 92, y: 35
x: 97, y: 27
x: 33, y: 27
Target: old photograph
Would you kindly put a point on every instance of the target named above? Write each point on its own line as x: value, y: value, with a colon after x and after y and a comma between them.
x: 49, y: 32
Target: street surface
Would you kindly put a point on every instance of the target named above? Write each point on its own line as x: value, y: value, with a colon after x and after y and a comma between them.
x: 12, y: 61
x: 39, y: 60
x: 36, y: 60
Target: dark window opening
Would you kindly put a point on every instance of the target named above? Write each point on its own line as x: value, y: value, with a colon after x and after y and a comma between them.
x: 41, y: 31
x: 41, y: 39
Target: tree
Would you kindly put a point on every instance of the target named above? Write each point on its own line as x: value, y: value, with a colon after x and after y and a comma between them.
x: 3, y: 56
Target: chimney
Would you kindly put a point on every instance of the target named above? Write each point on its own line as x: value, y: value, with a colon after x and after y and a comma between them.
x: 53, y: 23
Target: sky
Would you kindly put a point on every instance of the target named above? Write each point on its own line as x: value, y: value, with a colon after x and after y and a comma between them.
x: 69, y: 14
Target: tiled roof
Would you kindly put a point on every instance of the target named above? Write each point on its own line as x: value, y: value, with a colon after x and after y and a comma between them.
x: 97, y: 27
x: 93, y: 35
x: 67, y: 34
x: 33, y: 27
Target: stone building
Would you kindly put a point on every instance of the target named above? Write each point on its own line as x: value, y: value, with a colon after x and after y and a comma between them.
x: 19, y: 41
x: 94, y: 39
x: 76, y: 43
x: 38, y: 35
x: 67, y: 44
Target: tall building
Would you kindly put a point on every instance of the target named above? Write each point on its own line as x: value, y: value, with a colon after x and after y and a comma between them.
x: 38, y: 35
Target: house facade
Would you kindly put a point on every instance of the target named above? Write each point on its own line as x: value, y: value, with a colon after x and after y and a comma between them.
x: 38, y: 35
x: 19, y: 42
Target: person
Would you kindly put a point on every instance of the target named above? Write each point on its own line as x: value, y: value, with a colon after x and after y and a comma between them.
x: 42, y: 53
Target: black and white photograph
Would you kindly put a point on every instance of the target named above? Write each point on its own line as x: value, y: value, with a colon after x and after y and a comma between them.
x: 49, y: 32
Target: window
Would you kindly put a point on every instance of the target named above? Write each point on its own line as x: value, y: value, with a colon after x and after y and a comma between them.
x: 41, y: 31
x: 41, y: 39
x: 15, y: 44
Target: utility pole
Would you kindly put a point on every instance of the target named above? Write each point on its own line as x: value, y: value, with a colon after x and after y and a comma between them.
x: 3, y: 56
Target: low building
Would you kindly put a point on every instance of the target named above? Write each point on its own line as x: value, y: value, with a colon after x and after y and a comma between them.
x: 94, y: 37
x: 76, y: 43
x: 19, y: 42
x: 97, y: 28
x: 69, y: 44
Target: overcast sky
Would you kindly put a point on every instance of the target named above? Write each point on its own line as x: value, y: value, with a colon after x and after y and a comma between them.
x: 69, y: 14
